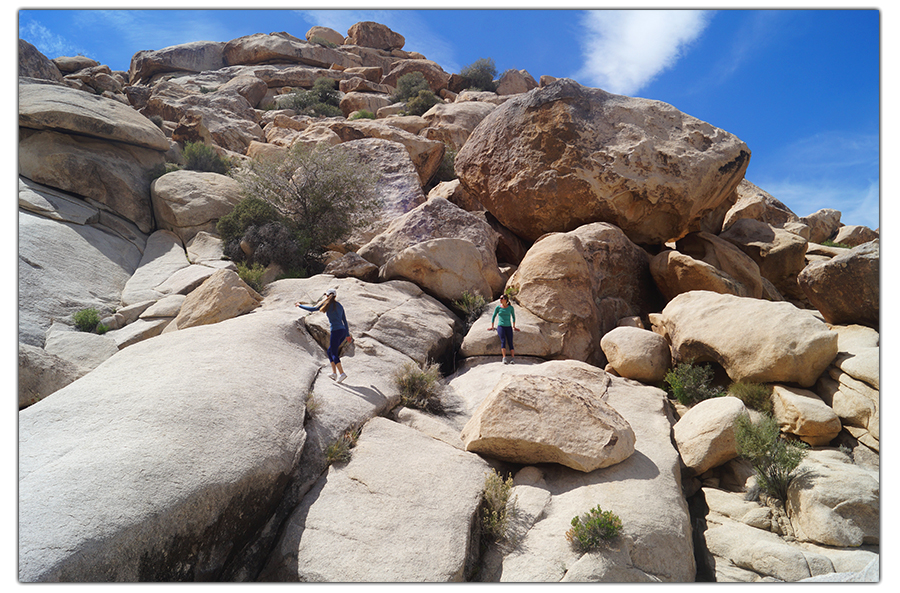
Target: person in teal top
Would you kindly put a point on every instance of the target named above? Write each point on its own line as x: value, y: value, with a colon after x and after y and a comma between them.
x: 505, y: 328
x: 340, y: 330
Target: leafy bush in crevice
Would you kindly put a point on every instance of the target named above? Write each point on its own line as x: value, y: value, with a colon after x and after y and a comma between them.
x: 420, y: 386
x: 497, y: 508
x: 252, y: 274
x: 322, y: 41
x: 471, y: 306
x: 88, y: 320
x: 754, y: 395
x: 774, y: 458
x: 830, y: 243
x: 421, y: 103
x: 201, y: 157
x: 362, y: 114
x: 691, y: 383
x: 446, y: 170
x: 339, y: 450
x: 480, y: 74
x: 322, y: 100
x: 593, y: 529
x: 408, y: 86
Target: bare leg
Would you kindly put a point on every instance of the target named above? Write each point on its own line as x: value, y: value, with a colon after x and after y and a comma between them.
x: 340, y: 368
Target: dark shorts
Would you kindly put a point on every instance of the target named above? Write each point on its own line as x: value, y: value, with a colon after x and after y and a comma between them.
x: 506, y: 336
x: 334, y: 346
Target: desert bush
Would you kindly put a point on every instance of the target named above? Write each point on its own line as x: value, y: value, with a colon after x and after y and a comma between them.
x: 87, y: 320
x: 420, y: 386
x: 319, y: 194
x: 774, y: 458
x: 362, y: 114
x: 322, y: 41
x: 593, y: 529
x: 408, y: 86
x: 421, y: 103
x: 497, y: 508
x: 252, y: 274
x: 480, y: 74
x: 691, y: 383
x: 471, y: 306
x: 248, y: 212
x: 274, y: 243
x: 446, y: 170
x: 754, y: 395
x: 201, y: 157
x: 322, y: 100
x: 339, y: 450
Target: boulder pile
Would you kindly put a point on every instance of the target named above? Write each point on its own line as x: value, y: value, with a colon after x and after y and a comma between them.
x: 199, y: 438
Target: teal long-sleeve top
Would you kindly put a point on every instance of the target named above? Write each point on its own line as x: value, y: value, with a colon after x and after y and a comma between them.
x: 507, y: 316
x: 335, y: 315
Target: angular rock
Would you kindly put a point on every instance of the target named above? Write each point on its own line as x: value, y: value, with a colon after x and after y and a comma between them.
x: 42, y: 373
x: 854, y: 235
x: 513, y: 82
x: 802, y: 413
x: 434, y: 75
x: 281, y: 47
x: 637, y: 354
x: 822, y: 224
x: 453, y: 123
x: 780, y: 254
x: 325, y: 33
x: 109, y: 487
x: 351, y: 265
x: 753, y: 202
x: 432, y: 495
x: 204, y: 248
x: 567, y: 162
x: 834, y: 502
x: 583, y: 282
x: 754, y: 340
x: 536, y: 337
x: 221, y: 296
x: 846, y: 289
x: 34, y: 64
x: 363, y: 101
x: 705, y: 434
x: 531, y: 419
x: 374, y: 35
x: 85, y: 350
x: 196, y: 56
x: 163, y: 256
x: 188, y: 202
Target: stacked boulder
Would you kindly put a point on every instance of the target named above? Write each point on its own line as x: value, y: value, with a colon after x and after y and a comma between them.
x: 622, y: 229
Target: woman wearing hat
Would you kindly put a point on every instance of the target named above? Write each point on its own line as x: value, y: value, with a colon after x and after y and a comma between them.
x: 340, y: 330
x: 505, y: 328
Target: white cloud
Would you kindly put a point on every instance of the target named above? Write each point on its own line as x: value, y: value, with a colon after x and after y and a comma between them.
x: 624, y: 50
x: 48, y: 43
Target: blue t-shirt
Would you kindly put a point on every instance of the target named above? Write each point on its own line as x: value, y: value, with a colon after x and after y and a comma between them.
x: 335, y: 315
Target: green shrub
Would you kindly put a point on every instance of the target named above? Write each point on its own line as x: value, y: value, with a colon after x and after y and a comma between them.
x: 248, y: 212
x: 252, y: 274
x: 362, y: 114
x: 322, y: 41
x: 161, y: 169
x: 497, y: 508
x: 830, y: 243
x: 321, y: 194
x: 471, y: 306
x: 321, y: 100
x: 754, y: 395
x: 421, y: 103
x: 446, y: 170
x: 480, y: 74
x: 690, y: 383
x: 592, y: 529
x: 201, y: 157
x: 408, y: 86
x: 157, y: 121
x: 86, y: 320
x: 339, y: 450
x: 774, y: 458
x: 420, y: 386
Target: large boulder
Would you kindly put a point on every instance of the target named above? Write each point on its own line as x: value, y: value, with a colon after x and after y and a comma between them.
x: 34, y: 64
x: 854, y: 235
x: 513, y: 82
x: 583, y: 282
x: 434, y: 75
x: 261, y: 48
x: 705, y: 434
x: 753, y: 202
x: 529, y: 419
x: 445, y: 268
x: 428, y: 499
x: 568, y: 160
x: 109, y: 481
x: 636, y: 353
x: 802, y: 413
x: 845, y: 289
x: 374, y: 35
x: 453, y: 123
x: 822, y: 224
x: 196, y: 56
x: 163, y: 255
x: 188, y: 202
x: 754, y: 340
x: 834, y: 502
x: 221, y: 296
x: 780, y: 254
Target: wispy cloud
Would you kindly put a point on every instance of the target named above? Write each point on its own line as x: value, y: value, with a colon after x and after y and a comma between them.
x: 150, y: 29
x: 47, y: 42
x: 624, y: 50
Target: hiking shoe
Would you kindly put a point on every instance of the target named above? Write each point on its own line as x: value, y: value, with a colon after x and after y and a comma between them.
x: 342, y: 377
x: 512, y: 361
x: 505, y: 361
x: 332, y: 376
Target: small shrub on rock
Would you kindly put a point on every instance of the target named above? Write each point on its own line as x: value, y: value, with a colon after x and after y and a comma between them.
x: 421, y: 103
x: 497, y: 508
x: 593, y: 529
x: 252, y: 274
x: 690, y: 383
x: 339, y: 450
x: 362, y: 114
x: 201, y: 157
x: 774, y: 458
x: 480, y: 74
x: 754, y: 395
x: 322, y: 100
x: 408, y: 86
x: 87, y: 320
x: 471, y: 306
x: 420, y: 386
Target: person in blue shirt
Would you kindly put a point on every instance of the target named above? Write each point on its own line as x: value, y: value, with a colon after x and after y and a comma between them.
x: 505, y: 328
x: 340, y: 330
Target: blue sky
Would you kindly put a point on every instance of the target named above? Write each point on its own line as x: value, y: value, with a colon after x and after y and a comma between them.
x: 800, y: 87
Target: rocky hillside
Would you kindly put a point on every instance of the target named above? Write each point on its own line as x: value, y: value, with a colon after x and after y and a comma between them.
x: 193, y: 441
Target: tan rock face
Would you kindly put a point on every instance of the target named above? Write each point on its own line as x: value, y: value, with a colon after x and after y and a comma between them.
x: 705, y: 434
x: 584, y: 281
x: 530, y: 419
x: 222, y: 296
x: 803, y: 413
x: 187, y: 57
x: 281, y: 47
x: 325, y: 33
x: 846, y: 289
x: 637, y: 353
x: 754, y: 340
x: 780, y: 254
x: 753, y: 202
x: 435, y: 76
x: 574, y: 155
x: 374, y: 35
x: 187, y: 202
x: 822, y: 224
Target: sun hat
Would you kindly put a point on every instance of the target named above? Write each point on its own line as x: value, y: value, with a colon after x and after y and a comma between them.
x: 331, y: 292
